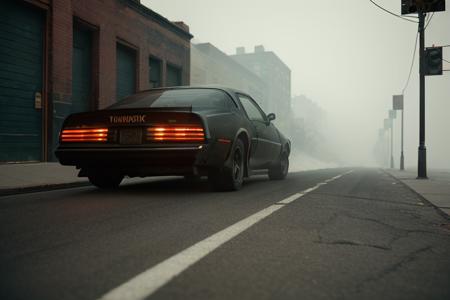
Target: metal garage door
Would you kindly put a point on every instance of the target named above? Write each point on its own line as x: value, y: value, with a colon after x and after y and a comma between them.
x: 21, y: 52
x: 126, y: 71
x: 81, y: 70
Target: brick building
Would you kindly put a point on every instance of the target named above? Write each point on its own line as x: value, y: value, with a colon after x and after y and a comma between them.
x: 63, y: 56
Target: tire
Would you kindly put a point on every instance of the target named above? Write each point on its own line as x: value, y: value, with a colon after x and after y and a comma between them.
x: 280, y: 170
x: 230, y: 178
x: 105, y: 180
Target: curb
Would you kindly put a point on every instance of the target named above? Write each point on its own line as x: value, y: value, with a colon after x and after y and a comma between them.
x: 438, y: 210
x: 42, y: 188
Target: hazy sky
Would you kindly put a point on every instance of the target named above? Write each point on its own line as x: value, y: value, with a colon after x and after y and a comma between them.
x: 348, y: 56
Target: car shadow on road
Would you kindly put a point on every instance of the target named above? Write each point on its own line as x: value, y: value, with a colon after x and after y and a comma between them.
x: 166, y: 186
x: 170, y: 186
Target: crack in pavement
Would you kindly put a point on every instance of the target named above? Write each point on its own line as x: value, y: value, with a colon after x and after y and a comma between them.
x: 351, y: 243
x: 397, y: 233
x: 393, y: 268
x: 373, y: 199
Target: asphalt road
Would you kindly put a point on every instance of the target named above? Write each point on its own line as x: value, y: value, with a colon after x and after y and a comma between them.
x: 360, y: 236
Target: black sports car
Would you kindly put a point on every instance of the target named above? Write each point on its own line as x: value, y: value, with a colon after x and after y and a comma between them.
x: 192, y: 131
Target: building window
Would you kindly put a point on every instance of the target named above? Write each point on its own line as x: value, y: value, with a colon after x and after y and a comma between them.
x: 173, y: 76
x: 154, y: 70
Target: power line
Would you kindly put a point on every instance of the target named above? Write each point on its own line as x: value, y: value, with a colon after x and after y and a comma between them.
x: 427, y: 17
x: 412, y: 64
x: 389, y: 12
x: 429, y: 20
x: 446, y: 61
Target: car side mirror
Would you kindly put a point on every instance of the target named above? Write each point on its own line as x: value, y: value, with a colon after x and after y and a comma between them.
x: 271, y: 117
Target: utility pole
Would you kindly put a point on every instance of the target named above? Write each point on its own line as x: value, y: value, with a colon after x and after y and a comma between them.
x: 430, y: 64
x: 392, y: 147
x: 402, y: 157
x: 392, y: 115
x: 422, y: 163
x: 397, y: 104
x: 387, y: 126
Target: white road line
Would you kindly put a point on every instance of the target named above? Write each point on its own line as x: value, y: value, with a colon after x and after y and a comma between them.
x: 311, y: 189
x: 291, y: 198
x: 148, y: 282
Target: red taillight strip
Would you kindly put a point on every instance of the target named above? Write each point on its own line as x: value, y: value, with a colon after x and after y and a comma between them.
x: 96, y: 130
x: 176, y: 129
x: 84, y: 135
x: 176, y: 133
x: 177, y: 139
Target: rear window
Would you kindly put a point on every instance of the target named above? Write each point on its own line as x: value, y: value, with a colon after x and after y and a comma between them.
x: 198, y: 99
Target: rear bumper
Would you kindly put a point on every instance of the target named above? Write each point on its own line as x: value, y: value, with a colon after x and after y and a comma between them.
x: 146, y: 161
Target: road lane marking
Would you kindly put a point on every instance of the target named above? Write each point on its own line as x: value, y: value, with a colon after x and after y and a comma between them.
x: 148, y: 282
x: 291, y: 198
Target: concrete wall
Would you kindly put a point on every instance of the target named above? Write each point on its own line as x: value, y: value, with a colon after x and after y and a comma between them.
x: 275, y: 75
x: 212, y: 66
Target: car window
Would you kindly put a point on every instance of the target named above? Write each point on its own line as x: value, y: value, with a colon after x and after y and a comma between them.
x: 198, y: 99
x: 253, y: 111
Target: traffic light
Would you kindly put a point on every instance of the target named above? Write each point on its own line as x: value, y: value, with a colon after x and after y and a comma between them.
x: 414, y: 6
x: 409, y: 7
x: 433, y: 61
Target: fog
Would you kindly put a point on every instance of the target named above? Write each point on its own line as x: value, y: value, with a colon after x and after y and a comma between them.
x: 346, y: 57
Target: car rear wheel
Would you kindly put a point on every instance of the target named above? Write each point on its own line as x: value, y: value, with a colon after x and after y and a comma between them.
x: 105, y: 180
x: 230, y: 178
x: 280, y: 170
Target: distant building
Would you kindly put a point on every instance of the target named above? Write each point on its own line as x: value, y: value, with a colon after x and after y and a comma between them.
x: 275, y: 74
x: 65, y: 56
x: 209, y: 65
x: 308, y: 110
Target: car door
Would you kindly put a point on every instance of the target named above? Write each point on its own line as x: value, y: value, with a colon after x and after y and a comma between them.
x: 266, y: 144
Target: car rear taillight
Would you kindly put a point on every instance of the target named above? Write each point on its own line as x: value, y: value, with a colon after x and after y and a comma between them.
x: 176, y: 133
x: 84, y: 135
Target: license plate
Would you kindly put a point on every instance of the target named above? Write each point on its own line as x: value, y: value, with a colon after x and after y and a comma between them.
x: 130, y: 136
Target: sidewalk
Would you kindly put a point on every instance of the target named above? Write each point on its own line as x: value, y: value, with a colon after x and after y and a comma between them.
x: 24, y: 177
x: 33, y: 177
x: 435, y: 189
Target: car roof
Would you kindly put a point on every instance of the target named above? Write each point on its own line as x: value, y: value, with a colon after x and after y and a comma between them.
x: 209, y: 86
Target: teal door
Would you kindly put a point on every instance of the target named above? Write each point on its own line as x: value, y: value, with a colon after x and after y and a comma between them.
x: 81, y: 82
x: 173, y: 76
x: 126, y: 71
x: 154, y: 72
x: 81, y: 70
x: 21, y: 53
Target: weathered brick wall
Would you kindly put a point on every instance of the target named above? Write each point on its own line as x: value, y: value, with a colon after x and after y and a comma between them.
x: 111, y: 20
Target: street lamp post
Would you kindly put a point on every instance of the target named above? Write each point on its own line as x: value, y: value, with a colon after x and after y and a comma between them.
x: 397, y: 104
x: 402, y: 156
x: 422, y: 161
x: 387, y: 126
x: 392, y: 115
